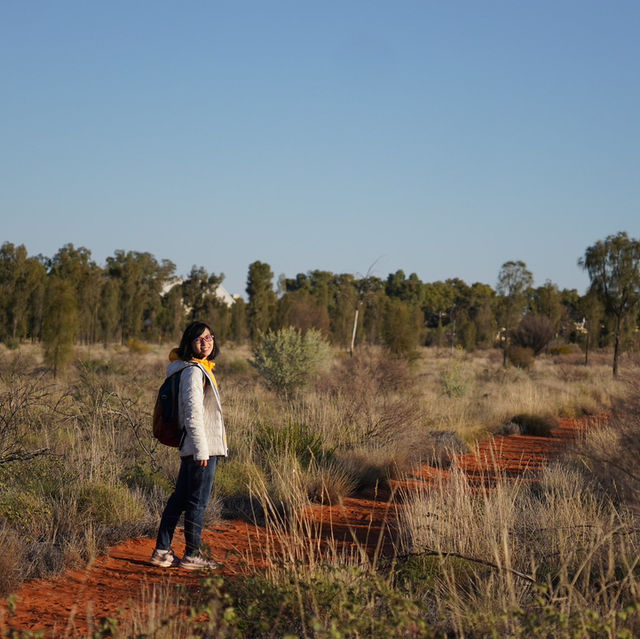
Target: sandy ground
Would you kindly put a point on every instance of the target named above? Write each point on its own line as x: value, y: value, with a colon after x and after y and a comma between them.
x: 116, y: 584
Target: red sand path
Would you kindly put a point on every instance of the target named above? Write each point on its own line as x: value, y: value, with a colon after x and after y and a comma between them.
x: 67, y: 605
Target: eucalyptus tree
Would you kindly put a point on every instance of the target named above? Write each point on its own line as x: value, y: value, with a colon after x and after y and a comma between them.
x: 60, y: 322
x: 482, y: 300
x: 514, y: 282
x: 108, y: 310
x: 613, y: 266
x: 22, y: 282
x: 239, y: 329
x: 75, y: 266
x: 140, y: 280
x: 592, y: 311
x: 198, y: 290
x: 262, y: 299
x: 547, y: 300
x: 401, y: 326
x: 343, y: 308
x: 408, y: 289
x: 171, y: 318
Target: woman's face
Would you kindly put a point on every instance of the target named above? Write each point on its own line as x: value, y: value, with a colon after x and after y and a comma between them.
x: 203, y: 346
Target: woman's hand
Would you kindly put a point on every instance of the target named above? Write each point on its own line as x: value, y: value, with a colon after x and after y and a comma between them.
x: 203, y: 462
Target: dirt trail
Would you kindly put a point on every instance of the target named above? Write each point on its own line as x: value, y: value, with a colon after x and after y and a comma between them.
x: 66, y: 605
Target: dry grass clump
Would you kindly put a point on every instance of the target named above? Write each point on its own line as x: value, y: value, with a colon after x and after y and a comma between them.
x: 494, y: 552
x: 610, y: 452
x: 527, y: 424
x: 491, y: 394
x: 11, y: 569
x: 71, y: 483
x: 79, y: 468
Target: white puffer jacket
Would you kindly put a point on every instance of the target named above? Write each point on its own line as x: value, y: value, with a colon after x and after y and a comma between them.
x: 200, y: 412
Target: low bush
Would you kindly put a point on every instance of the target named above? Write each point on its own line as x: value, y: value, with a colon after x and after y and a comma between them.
x: 564, y: 349
x: 112, y: 505
x: 138, y: 347
x: 534, y: 332
x: 610, y: 453
x: 329, y: 483
x: 142, y: 476
x: 534, y: 425
x: 235, y: 477
x: 11, y: 568
x: 520, y: 356
x: 455, y: 379
x: 24, y: 510
x: 326, y: 603
x: 286, y: 359
x: 293, y: 438
x: 441, y: 448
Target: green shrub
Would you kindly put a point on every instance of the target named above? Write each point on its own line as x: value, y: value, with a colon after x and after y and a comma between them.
x: 293, y: 438
x: 286, y: 359
x: 23, y: 510
x: 234, y: 478
x: 110, y: 505
x: 141, y: 475
x: 454, y: 379
x: 329, y: 603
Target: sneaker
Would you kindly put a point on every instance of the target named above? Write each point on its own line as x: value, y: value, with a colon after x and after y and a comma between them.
x: 164, y: 558
x: 197, y: 562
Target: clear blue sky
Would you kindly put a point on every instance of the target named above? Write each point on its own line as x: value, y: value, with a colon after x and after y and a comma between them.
x: 442, y: 138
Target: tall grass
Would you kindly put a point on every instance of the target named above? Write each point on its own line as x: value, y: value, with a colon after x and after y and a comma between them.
x: 553, y: 555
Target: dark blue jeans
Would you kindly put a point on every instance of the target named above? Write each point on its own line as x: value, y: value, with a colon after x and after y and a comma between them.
x: 191, y: 496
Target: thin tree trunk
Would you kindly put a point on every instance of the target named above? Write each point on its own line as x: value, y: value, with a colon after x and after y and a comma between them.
x: 353, y: 334
x: 616, y: 348
x: 586, y: 350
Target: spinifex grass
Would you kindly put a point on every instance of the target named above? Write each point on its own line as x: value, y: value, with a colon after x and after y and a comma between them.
x: 365, y: 420
x: 495, y: 552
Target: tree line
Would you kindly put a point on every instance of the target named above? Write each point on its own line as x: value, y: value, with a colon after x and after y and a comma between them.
x: 68, y: 299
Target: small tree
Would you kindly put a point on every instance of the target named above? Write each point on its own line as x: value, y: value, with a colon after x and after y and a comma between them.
x: 60, y: 323
x: 262, y: 299
x: 286, y: 359
x: 534, y: 332
x: 401, y: 327
x: 514, y: 280
x: 614, y: 270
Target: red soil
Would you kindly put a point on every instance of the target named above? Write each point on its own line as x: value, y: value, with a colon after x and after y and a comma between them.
x: 67, y: 605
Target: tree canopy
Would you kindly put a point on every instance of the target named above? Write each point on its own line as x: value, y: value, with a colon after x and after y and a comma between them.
x: 613, y: 265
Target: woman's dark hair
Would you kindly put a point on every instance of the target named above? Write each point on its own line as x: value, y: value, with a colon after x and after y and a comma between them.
x: 194, y: 330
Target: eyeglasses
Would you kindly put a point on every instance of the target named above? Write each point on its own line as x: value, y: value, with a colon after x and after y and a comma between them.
x: 203, y: 340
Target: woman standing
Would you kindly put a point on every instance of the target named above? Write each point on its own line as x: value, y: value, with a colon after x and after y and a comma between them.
x: 203, y: 441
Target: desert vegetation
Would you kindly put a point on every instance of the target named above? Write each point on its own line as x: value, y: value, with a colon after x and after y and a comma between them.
x: 554, y: 555
x: 68, y: 299
x: 333, y: 386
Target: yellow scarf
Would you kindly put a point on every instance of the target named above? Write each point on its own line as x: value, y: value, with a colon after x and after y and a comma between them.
x: 207, y: 364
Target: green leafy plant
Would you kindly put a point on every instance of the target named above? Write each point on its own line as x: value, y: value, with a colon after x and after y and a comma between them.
x: 293, y: 438
x: 454, y: 379
x: 286, y: 359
